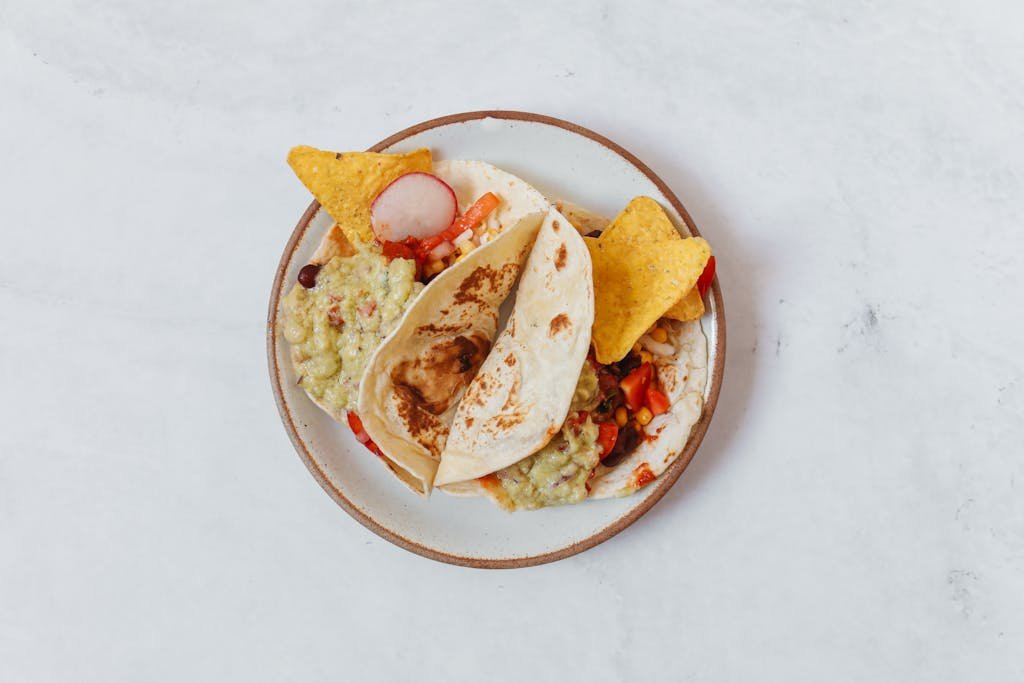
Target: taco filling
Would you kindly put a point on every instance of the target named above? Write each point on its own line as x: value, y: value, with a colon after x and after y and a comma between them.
x: 612, y: 407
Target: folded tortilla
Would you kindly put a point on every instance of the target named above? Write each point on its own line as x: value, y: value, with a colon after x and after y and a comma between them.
x: 522, y: 394
x: 469, y: 456
x: 414, y: 381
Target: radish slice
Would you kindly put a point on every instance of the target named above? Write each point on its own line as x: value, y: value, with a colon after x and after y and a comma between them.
x: 442, y: 250
x: 414, y: 205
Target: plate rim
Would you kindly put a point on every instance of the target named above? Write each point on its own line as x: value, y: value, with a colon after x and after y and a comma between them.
x: 661, y: 486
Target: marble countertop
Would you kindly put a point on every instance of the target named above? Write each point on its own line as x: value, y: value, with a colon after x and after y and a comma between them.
x: 856, y: 512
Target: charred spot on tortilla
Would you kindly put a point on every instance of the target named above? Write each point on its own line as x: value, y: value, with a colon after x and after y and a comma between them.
x: 513, y: 394
x: 507, y: 421
x: 431, y: 380
x: 481, y: 279
x: 469, y: 421
x: 561, y: 256
x: 510, y: 359
x: 555, y: 226
x: 558, y: 323
x: 439, y: 330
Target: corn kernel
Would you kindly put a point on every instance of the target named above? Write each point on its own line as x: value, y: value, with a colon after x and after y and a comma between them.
x: 467, y: 246
x: 644, y: 416
x: 637, y: 348
x: 621, y: 416
x: 659, y: 335
x: 433, y: 268
x: 646, y: 356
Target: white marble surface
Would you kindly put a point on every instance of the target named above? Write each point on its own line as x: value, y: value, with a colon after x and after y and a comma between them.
x: 855, y: 513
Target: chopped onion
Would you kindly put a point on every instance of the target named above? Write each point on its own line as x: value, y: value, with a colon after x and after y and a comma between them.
x: 442, y: 250
x: 657, y: 348
x: 463, y: 236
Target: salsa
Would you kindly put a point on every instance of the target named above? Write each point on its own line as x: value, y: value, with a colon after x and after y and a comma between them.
x: 336, y: 325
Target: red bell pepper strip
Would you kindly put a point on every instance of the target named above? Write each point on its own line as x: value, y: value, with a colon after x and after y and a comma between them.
x: 706, y: 276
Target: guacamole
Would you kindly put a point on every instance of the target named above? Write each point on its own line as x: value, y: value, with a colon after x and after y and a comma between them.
x: 337, y: 324
x: 557, y: 474
x: 585, y: 396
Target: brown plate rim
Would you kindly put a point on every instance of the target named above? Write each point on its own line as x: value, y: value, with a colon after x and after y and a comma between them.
x: 664, y: 482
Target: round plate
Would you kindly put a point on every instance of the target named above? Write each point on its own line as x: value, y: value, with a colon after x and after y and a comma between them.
x: 564, y: 161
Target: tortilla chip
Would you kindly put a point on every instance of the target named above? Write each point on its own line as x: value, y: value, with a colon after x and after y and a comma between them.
x: 346, y: 183
x: 643, y: 220
x: 635, y: 286
x: 690, y: 307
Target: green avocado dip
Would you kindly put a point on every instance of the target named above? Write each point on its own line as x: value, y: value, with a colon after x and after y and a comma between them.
x: 338, y: 323
x: 557, y: 474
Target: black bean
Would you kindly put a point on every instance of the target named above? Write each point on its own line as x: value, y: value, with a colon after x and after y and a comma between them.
x: 307, y: 276
x: 626, y: 365
x: 625, y: 443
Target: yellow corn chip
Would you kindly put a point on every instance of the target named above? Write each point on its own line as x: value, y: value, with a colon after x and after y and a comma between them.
x: 346, y: 183
x: 634, y: 286
x: 643, y: 220
x: 690, y: 307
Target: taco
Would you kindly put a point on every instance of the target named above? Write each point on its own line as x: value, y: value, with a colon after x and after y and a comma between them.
x: 407, y: 228
x: 621, y: 422
x: 524, y: 389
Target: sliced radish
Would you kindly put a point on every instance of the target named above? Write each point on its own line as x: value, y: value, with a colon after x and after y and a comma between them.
x: 414, y: 205
x: 442, y: 250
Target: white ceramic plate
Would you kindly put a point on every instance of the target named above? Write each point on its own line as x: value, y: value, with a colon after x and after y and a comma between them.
x: 564, y: 161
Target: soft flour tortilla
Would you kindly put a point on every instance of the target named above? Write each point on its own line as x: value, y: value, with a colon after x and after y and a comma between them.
x: 521, y: 395
x: 414, y: 381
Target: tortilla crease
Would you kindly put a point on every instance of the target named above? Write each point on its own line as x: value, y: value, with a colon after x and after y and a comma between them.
x: 521, y: 395
x: 345, y: 183
x: 416, y: 378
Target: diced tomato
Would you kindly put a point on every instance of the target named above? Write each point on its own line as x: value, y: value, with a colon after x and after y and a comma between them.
x: 704, y: 281
x: 393, y: 250
x: 367, y: 309
x: 607, y: 432
x: 480, y: 209
x: 405, y: 249
x: 634, y: 386
x: 427, y: 245
x: 657, y: 402
x: 356, y: 425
